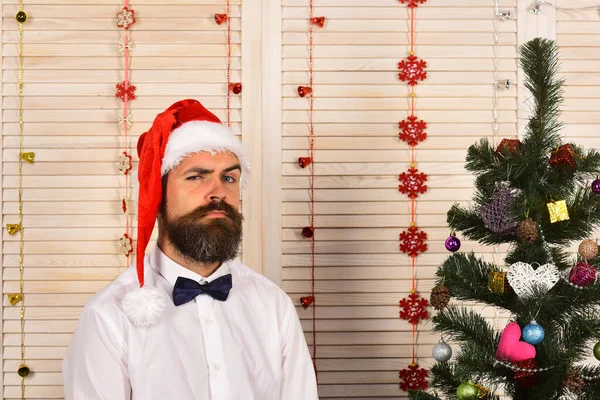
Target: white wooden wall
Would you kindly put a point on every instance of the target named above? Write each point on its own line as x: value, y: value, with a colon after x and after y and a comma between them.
x: 72, y: 193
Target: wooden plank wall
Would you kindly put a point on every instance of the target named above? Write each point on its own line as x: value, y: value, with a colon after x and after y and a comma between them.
x: 72, y: 214
x: 360, y: 273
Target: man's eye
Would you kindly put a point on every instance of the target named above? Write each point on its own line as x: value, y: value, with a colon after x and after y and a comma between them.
x: 229, y: 179
x: 194, y: 177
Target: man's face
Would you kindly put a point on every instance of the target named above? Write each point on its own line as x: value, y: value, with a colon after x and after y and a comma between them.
x: 199, y: 211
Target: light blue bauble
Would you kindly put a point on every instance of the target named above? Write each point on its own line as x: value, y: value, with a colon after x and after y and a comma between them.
x: 533, y: 333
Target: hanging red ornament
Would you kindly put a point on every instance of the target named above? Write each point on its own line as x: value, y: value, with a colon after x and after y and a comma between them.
x: 412, y: 3
x: 509, y: 146
x: 412, y: 183
x: 413, y: 378
x: 304, y: 162
x: 125, y: 18
x: 125, y: 89
x: 319, y: 21
x: 306, y: 301
x: 125, y: 163
x: 304, y: 91
x: 126, y: 245
x: 308, y: 232
x: 412, y: 69
x: 563, y: 156
x: 124, y: 206
x: 413, y: 130
x: 235, y: 88
x: 221, y: 18
x: 413, y: 241
x: 413, y: 308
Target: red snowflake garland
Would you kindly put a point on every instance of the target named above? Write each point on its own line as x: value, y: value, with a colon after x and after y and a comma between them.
x: 412, y: 3
x: 126, y: 245
x: 413, y: 308
x: 412, y: 183
x: 125, y: 163
x: 413, y: 241
x: 412, y: 70
x: 125, y: 89
x: 125, y: 18
x: 413, y: 130
x: 414, y: 378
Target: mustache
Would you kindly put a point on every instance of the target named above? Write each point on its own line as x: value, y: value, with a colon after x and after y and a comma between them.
x: 221, y: 206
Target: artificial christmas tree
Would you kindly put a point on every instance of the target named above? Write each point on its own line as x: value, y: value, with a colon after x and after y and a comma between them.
x: 540, y: 200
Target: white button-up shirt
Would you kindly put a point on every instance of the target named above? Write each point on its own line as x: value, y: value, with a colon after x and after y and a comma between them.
x: 249, y: 347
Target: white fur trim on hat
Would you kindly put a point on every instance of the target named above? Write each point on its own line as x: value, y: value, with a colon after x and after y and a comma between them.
x: 144, y: 306
x: 196, y: 136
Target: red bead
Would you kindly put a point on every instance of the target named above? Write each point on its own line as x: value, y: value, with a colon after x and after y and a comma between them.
x: 124, y: 205
x: 306, y: 301
x: 304, y: 91
x: 509, y: 146
x: 304, y: 161
x: 319, y: 21
x: 308, y: 232
x: 236, y: 88
x: 221, y: 18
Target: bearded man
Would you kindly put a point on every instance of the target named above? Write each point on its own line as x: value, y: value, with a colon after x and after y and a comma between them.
x: 189, y: 321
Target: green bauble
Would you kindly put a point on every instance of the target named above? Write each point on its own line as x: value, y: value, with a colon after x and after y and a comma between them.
x: 467, y: 391
x: 597, y: 351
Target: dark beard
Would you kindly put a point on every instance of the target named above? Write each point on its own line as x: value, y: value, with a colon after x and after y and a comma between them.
x: 208, y: 241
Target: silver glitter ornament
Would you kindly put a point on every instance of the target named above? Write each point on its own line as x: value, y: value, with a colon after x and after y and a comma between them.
x: 495, y: 215
x: 442, y: 352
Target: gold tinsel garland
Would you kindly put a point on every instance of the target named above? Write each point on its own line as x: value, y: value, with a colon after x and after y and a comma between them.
x: 13, y: 229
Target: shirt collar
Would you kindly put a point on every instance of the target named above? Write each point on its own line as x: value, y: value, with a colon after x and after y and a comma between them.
x: 170, y: 270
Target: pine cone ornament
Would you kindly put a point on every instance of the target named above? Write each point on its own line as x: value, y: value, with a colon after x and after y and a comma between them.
x: 573, y: 382
x: 527, y: 230
x: 440, y: 296
x: 588, y: 249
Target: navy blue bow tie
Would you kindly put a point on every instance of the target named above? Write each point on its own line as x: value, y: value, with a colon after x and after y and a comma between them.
x: 186, y: 290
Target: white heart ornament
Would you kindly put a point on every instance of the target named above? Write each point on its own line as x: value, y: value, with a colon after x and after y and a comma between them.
x: 524, y: 279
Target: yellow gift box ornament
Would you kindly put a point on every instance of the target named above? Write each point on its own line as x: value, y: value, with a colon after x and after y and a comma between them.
x: 558, y: 211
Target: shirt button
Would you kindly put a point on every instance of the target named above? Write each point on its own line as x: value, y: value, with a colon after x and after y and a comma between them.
x: 217, y: 367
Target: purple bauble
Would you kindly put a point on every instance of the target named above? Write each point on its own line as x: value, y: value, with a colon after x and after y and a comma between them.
x: 582, y: 274
x: 452, y: 243
x: 596, y: 186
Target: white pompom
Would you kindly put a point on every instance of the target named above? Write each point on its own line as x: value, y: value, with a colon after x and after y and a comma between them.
x: 144, y: 306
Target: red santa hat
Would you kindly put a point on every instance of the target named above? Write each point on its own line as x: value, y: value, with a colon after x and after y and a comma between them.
x: 183, y: 129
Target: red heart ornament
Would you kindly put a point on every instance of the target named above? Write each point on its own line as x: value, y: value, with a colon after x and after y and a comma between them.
x: 319, y: 21
x: 304, y: 162
x: 221, y: 18
x: 511, y: 348
x: 306, y: 301
x: 304, y: 91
